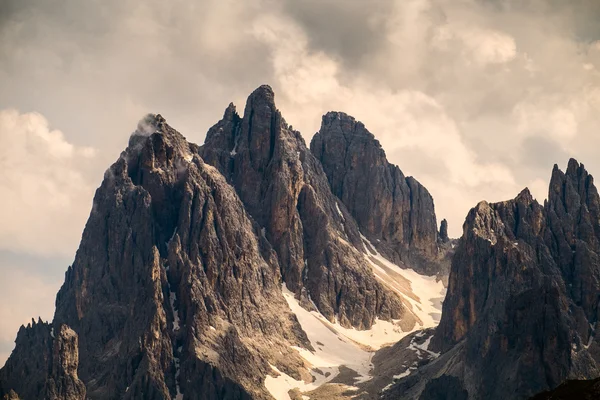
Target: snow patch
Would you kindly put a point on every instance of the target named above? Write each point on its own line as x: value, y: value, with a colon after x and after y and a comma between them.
x: 387, y: 387
x: 337, y: 206
x: 424, y: 347
x: 187, y: 156
x: 404, y: 374
x: 172, y: 300
x: 233, y: 152
x: 591, y: 339
x: 332, y: 350
x: 179, y: 395
x: 380, y: 334
x: 424, y: 293
x: 176, y: 326
x: 281, y: 385
x: 337, y: 346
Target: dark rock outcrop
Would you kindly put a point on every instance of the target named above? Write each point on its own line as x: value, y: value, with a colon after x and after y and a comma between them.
x: 445, y: 387
x: 43, y: 365
x: 63, y: 382
x: 26, y: 369
x: 396, y: 213
x: 443, y: 234
x: 284, y: 188
x: 522, y: 309
x: 573, y: 390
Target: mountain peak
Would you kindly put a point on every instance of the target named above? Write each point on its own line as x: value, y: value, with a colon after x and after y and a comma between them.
x: 150, y: 124
x: 393, y: 211
x: 339, y: 122
x: 525, y: 196
x: 573, y: 167
x: 230, y: 112
x: 262, y: 95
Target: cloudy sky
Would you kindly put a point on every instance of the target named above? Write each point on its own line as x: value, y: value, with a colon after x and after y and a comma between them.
x: 475, y: 98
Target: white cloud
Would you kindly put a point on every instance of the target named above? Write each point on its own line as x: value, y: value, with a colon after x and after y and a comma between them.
x: 413, y: 127
x: 556, y: 121
x: 45, y: 197
x: 453, y: 88
x: 482, y: 46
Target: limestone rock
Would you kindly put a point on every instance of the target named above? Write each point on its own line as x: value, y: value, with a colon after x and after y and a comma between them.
x: 443, y: 234
x: 26, y: 369
x: 396, y: 213
x: 284, y: 188
x: 173, y: 290
x: 63, y: 383
x: 43, y: 365
x: 522, y: 309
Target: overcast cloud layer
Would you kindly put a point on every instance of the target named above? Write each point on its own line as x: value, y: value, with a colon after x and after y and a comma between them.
x: 475, y: 98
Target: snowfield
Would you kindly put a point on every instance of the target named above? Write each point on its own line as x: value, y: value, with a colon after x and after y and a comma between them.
x: 337, y: 346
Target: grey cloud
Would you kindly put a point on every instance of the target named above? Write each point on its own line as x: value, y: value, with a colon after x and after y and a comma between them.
x: 48, y: 267
x: 539, y: 154
x: 349, y: 30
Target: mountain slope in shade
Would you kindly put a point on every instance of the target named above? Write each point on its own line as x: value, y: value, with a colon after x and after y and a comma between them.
x: 396, y: 213
x: 573, y: 390
x: 179, y: 289
x: 521, y: 312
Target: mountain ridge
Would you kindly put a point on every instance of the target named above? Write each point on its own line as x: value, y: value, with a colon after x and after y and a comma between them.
x: 175, y: 291
x: 522, y: 301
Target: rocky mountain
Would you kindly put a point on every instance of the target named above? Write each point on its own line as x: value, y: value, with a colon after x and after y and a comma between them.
x: 226, y: 271
x: 253, y: 267
x: 172, y: 282
x: 396, y: 213
x: 521, y: 311
x: 285, y: 189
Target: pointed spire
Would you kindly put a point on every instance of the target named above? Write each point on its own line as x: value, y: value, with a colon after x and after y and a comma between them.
x: 263, y: 93
x: 525, y: 196
x: 573, y: 167
x: 230, y: 112
x: 337, y: 121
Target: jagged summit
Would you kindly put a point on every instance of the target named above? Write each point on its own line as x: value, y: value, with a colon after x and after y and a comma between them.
x: 522, y: 305
x: 207, y: 272
x: 284, y: 188
x: 340, y: 121
x: 525, y: 196
x: 395, y: 212
x: 263, y: 94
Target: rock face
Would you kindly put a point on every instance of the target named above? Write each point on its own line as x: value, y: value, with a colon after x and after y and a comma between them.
x: 443, y: 234
x: 396, y: 213
x: 521, y: 311
x: 172, y: 291
x: 63, y: 382
x: 43, y: 365
x: 284, y: 188
x: 26, y: 369
x: 176, y: 289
